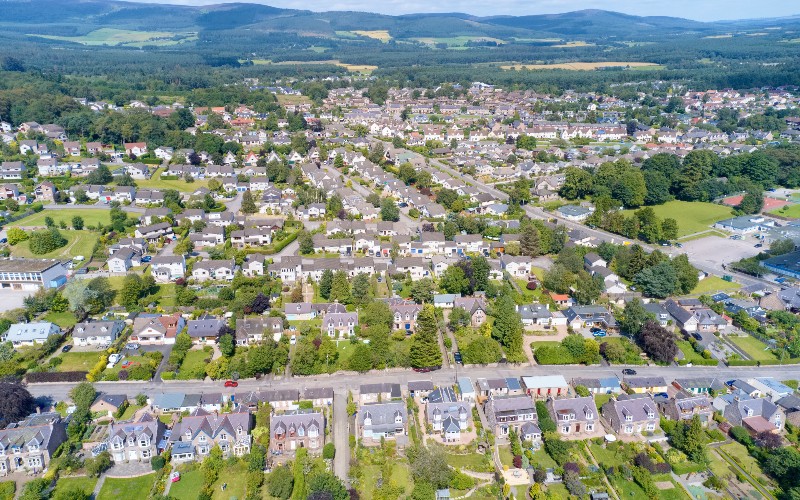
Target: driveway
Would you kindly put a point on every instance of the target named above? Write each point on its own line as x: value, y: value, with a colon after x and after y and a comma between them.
x: 341, y: 437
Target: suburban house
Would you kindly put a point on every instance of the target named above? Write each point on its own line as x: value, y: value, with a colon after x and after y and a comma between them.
x: 466, y: 390
x: 255, y: 330
x: 574, y: 212
x: 135, y: 440
x: 204, y: 330
x: 449, y: 420
x: 294, y: 430
x: 695, y: 319
x: 371, y: 393
x: 339, y: 324
x: 642, y: 385
x: 168, y: 268
x: 575, y: 418
x: 405, y: 315
x: 97, y: 332
x: 158, y: 330
x: 108, y: 404
x: 475, y: 307
x: 756, y: 415
x: 512, y: 412
x: 214, y: 270
x: 27, y: 446
x: 319, y: 396
x: 28, y: 334
x: 629, y: 415
x: 194, y: 435
x: 685, y: 406
x: 383, y: 420
x: 590, y: 316
x: 603, y: 385
x: 123, y: 259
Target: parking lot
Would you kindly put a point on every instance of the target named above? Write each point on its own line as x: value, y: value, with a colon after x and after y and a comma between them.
x: 12, y: 299
x: 713, y: 251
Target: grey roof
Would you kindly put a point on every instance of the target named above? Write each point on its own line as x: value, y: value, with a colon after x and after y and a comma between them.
x: 637, y: 407
x: 392, y: 389
x: 444, y: 394
x: 636, y: 382
x: 512, y: 404
x: 317, y: 393
x: 40, y: 427
x: 383, y: 415
x: 206, y: 327
x: 420, y: 385
x: 98, y: 329
x: 115, y: 400
x: 168, y: 400
x: 450, y: 409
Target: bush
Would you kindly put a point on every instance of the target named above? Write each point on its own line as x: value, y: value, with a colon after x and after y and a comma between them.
x: 46, y: 241
x: 158, y: 462
x: 740, y: 434
x: 328, y: 451
x: 34, y: 378
x: 552, y: 355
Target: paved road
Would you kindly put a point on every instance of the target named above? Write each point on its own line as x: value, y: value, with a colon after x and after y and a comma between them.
x: 345, y: 382
x: 234, y: 204
x: 341, y: 437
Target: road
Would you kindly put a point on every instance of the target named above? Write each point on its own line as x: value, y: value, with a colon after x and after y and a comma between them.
x: 341, y: 437
x: 345, y: 382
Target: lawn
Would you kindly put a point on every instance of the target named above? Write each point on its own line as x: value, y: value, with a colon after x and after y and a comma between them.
x: 713, y: 284
x: 688, y: 351
x: 7, y: 490
x: 194, y: 364
x: 345, y: 349
x: 469, y: 461
x: 753, y: 347
x: 606, y: 457
x: 506, y: 458
x: 400, y: 476
x: 137, y: 487
x: 632, y: 351
x: 78, y: 243
x: 790, y: 211
x: 85, y: 483
x: 63, y: 319
x: 692, y: 216
x: 540, y: 457
x: 628, y: 489
x: 156, y: 182
x: 740, y: 455
x: 91, y: 217
x: 528, y: 296
x: 601, y: 399
x: 78, y: 361
x: 190, y: 484
x: 129, y: 411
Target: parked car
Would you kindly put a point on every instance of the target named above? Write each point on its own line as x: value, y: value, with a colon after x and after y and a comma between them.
x: 293, y: 340
x: 629, y: 371
x: 231, y: 383
x: 457, y: 357
x: 66, y: 348
x: 697, y: 336
x: 175, y: 476
x: 146, y: 258
x: 600, y: 333
x: 132, y: 346
x: 3, y: 240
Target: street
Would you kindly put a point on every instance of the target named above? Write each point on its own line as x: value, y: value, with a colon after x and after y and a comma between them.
x: 350, y: 382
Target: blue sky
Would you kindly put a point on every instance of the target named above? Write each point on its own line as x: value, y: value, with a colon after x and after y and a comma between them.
x: 701, y: 10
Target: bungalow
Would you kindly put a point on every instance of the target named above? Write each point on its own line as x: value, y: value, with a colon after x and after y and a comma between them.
x: 135, y: 148
x: 590, y: 316
x: 97, y: 332
x: 604, y: 385
x: 108, y: 404
x: 370, y: 393
x: 383, y: 421
x: 319, y: 396
x: 28, y: 334
x: 205, y: 330
x: 642, y: 385
x: 154, y: 231
x: 574, y: 212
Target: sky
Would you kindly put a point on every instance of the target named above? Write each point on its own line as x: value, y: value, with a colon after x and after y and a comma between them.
x: 701, y: 10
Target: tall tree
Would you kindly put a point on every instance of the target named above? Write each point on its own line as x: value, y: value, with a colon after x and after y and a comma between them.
x: 634, y: 317
x: 529, y: 243
x: 248, y: 203
x: 507, y: 327
x: 425, y: 351
x: 340, y: 288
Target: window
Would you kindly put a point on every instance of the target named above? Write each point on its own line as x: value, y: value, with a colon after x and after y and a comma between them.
x: 651, y: 426
x: 629, y: 418
x: 202, y: 439
x: 628, y: 429
x: 589, y: 427
x: 565, y: 429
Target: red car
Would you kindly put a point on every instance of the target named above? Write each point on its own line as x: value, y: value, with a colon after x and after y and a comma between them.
x: 231, y: 383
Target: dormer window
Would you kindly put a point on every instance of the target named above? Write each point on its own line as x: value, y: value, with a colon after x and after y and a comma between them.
x: 223, y: 436
x: 202, y: 439
x: 189, y: 434
x: 629, y: 418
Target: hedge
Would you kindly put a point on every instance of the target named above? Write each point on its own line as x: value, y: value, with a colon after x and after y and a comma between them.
x: 43, y: 377
x: 766, y: 362
x: 553, y: 355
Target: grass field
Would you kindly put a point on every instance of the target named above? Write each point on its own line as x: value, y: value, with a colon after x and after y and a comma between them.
x: 382, y: 35
x: 400, y: 476
x: 584, y: 66
x: 353, y: 68
x: 284, y: 99
x: 791, y: 211
x: 78, y: 243
x: 129, y: 38
x: 155, y: 182
x: 575, y: 43
x: 78, y: 361
x: 713, y: 284
x: 63, y: 319
x: 85, y: 483
x: 692, y: 216
x: 91, y: 217
x: 753, y: 347
x: 137, y: 487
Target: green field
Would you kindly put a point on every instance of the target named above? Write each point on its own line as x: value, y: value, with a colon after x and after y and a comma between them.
x: 128, y: 38
x: 137, y: 487
x: 91, y: 217
x: 791, y: 211
x: 470, y: 461
x: 692, y: 216
x: 78, y: 361
x: 78, y: 243
x: 85, y: 483
x: 156, y: 182
x: 63, y: 319
x: 753, y: 347
x: 714, y: 284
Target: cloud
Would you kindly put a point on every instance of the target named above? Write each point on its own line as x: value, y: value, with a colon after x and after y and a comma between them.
x: 702, y: 10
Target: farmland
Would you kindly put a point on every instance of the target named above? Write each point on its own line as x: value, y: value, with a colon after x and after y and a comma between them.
x: 382, y: 35
x: 585, y: 66
x: 127, y: 38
